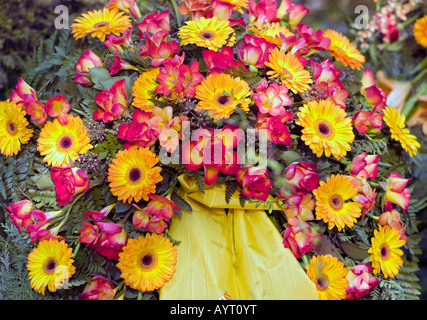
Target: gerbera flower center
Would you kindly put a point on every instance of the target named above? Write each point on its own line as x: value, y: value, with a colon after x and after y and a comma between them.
x: 148, y: 261
x: 101, y: 24
x: 324, y: 129
x: 384, y: 251
x: 336, y: 202
x: 207, y: 34
x: 322, y: 282
x: 65, y: 142
x: 49, y: 265
x: 224, y: 100
x: 135, y: 174
x: 11, y: 128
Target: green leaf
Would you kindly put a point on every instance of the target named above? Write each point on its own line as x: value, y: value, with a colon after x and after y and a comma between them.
x: 45, y: 183
x: 180, y: 202
x: 289, y: 157
x: 354, y: 251
x: 99, y: 75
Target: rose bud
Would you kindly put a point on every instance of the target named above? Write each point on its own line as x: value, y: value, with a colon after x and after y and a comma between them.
x: 396, y: 192
x: 87, y: 61
x: 364, y: 166
x: 20, y: 213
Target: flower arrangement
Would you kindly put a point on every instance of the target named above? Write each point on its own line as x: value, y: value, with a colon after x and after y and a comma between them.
x: 233, y: 92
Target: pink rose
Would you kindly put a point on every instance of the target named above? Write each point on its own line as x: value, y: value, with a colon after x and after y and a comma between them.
x: 302, y: 176
x: 99, y: 288
x: 360, y: 282
x: 255, y: 182
x: 106, y: 238
x: 69, y: 181
x: 112, y: 103
x: 254, y: 51
x: 299, y: 237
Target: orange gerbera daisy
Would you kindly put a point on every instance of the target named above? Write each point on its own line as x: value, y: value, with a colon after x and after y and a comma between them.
x: 332, y: 202
x: 329, y: 276
x: 344, y: 51
x: 144, y: 89
x: 289, y: 70
x: 100, y: 23
x: 420, y: 31
x: 133, y: 175
x: 60, y: 143
x: 269, y: 31
x: 220, y: 94
x: 13, y: 128
x: 147, y: 263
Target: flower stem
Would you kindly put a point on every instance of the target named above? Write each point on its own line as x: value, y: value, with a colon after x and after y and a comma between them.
x: 372, y: 217
x: 419, y: 76
x: 175, y: 7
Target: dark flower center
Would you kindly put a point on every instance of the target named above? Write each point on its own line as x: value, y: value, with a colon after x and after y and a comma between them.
x: 223, y: 99
x: 322, y: 282
x: 207, y: 34
x: 134, y: 175
x: 66, y: 142
x: 101, y: 24
x: 148, y: 261
x: 323, y: 129
x: 11, y: 128
x: 50, y: 265
x: 384, y: 251
x: 336, y: 202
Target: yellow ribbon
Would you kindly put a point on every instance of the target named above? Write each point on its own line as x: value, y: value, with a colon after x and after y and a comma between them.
x: 240, y: 252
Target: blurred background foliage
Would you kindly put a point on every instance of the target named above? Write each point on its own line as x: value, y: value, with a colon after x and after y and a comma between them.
x: 26, y: 23
x: 23, y: 24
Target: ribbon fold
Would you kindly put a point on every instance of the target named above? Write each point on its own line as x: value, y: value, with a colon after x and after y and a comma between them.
x: 240, y: 252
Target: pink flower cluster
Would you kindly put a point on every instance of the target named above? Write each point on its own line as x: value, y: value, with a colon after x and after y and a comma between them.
x: 34, y: 221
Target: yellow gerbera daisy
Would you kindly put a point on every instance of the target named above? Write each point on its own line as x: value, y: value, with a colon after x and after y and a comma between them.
x: 220, y: 94
x: 289, y: 70
x: 209, y: 33
x: 143, y: 89
x: 269, y: 31
x: 13, y: 128
x: 147, y: 263
x: 50, y: 265
x: 385, y: 252
x: 132, y: 174
x: 344, y: 51
x: 325, y: 128
x: 396, y: 122
x: 100, y: 23
x: 329, y: 276
x: 331, y: 205
x: 420, y: 31
x: 60, y: 143
x: 239, y: 5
